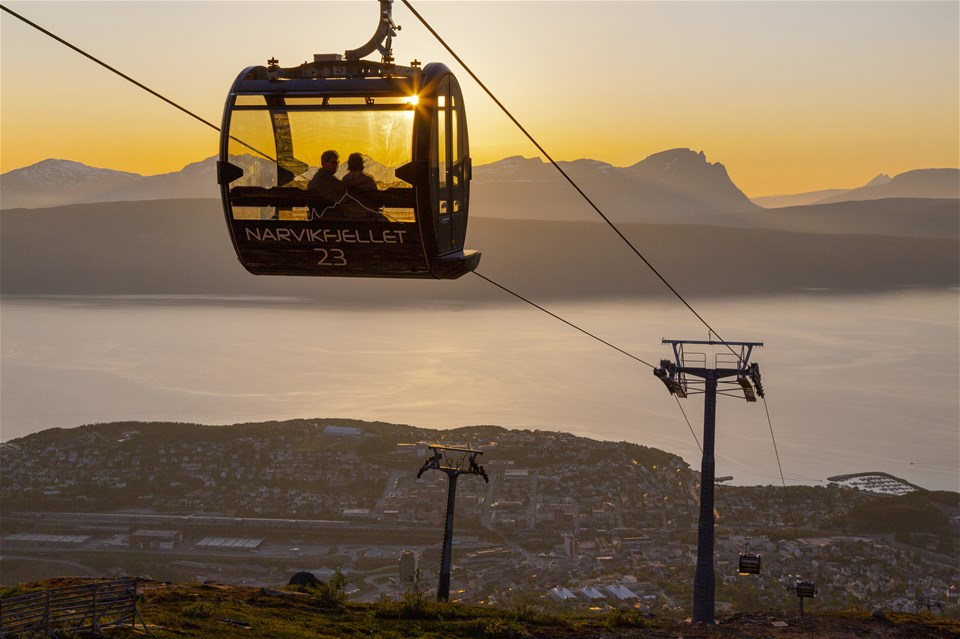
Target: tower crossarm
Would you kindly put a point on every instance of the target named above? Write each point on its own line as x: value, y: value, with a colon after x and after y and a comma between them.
x: 453, y: 460
x: 692, y: 363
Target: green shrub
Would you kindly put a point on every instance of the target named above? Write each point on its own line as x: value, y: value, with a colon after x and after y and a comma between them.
x: 415, y: 603
x: 332, y: 594
x: 199, y: 610
x: 19, y: 589
x: 618, y: 618
x: 500, y: 628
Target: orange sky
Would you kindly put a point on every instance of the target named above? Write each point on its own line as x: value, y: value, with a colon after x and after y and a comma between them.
x: 789, y: 96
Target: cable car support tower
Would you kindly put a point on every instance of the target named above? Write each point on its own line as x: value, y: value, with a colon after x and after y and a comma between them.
x: 687, y: 374
x: 454, y: 462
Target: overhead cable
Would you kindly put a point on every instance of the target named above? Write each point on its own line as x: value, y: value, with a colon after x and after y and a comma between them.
x: 720, y: 486
x: 560, y: 169
x: 500, y: 286
x: 599, y: 212
x: 555, y: 316
x: 108, y: 67
x: 127, y: 77
x: 786, y: 493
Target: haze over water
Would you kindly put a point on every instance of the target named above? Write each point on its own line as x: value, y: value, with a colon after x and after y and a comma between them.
x: 854, y: 383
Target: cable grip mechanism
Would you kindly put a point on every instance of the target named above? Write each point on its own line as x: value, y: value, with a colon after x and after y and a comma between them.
x: 382, y: 39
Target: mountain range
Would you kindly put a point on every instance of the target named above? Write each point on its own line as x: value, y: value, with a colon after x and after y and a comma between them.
x: 58, y: 182
x: 671, y: 186
x: 91, y: 231
x: 925, y: 183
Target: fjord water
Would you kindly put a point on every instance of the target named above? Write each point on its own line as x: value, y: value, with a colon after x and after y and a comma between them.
x: 854, y: 383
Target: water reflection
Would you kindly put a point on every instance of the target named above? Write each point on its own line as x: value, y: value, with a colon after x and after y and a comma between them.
x: 853, y: 383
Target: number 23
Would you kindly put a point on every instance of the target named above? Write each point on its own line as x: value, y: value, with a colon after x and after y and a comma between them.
x: 331, y: 257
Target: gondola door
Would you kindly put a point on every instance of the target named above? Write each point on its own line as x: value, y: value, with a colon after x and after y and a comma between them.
x: 450, y: 165
x: 459, y: 176
x: 441, y: 166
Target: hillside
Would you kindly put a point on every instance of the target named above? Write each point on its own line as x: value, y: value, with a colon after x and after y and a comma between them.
x: 181, y: 247
x: 610, y: 523
x: 931, y: 183
x: 894, y: 217
x: 213, y: 610
x: 920, y: 183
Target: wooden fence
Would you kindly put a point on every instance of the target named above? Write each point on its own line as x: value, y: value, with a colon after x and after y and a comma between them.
x: 88, y: 607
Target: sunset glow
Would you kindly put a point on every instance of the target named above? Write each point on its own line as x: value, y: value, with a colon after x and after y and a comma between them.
x: 789, y: 96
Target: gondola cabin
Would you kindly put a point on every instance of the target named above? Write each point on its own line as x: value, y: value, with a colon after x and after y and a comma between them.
x: 290, y: 212
x: 806, y: 589
x: 749, y: 564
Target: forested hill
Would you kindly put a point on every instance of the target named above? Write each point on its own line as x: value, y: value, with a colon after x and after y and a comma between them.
x: 181, y: 247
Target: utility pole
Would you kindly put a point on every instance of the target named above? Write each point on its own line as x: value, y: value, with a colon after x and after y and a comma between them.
x: 710, y: 380
x: 454, y: 462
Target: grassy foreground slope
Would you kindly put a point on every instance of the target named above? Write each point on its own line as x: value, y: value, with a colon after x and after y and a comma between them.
x: 210, y: 610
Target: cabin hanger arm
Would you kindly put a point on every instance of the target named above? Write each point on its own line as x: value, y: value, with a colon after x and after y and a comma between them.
x: 382, y: 39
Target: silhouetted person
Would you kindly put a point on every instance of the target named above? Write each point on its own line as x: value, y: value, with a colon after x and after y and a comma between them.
x: 362, y: 201
x: 356, y: 179
x: 325, y: 181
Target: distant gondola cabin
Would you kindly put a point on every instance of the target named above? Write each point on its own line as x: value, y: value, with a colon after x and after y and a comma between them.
x: 806, y: 589
x: 287, y: 217
x: 749, y: 564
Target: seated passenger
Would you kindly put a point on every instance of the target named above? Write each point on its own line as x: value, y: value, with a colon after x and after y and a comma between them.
x: 325, y: 182
x: 356, y: 179
x: 363, y: 197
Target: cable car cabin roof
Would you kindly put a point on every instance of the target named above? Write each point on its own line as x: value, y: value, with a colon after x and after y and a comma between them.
x: 358, y: 78
x: 351, y: 87
x: 290, y: 213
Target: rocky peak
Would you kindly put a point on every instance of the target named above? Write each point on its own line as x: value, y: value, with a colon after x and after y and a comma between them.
x: 689, y: 172
x: 56, y: 173
x: 883, y: 178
